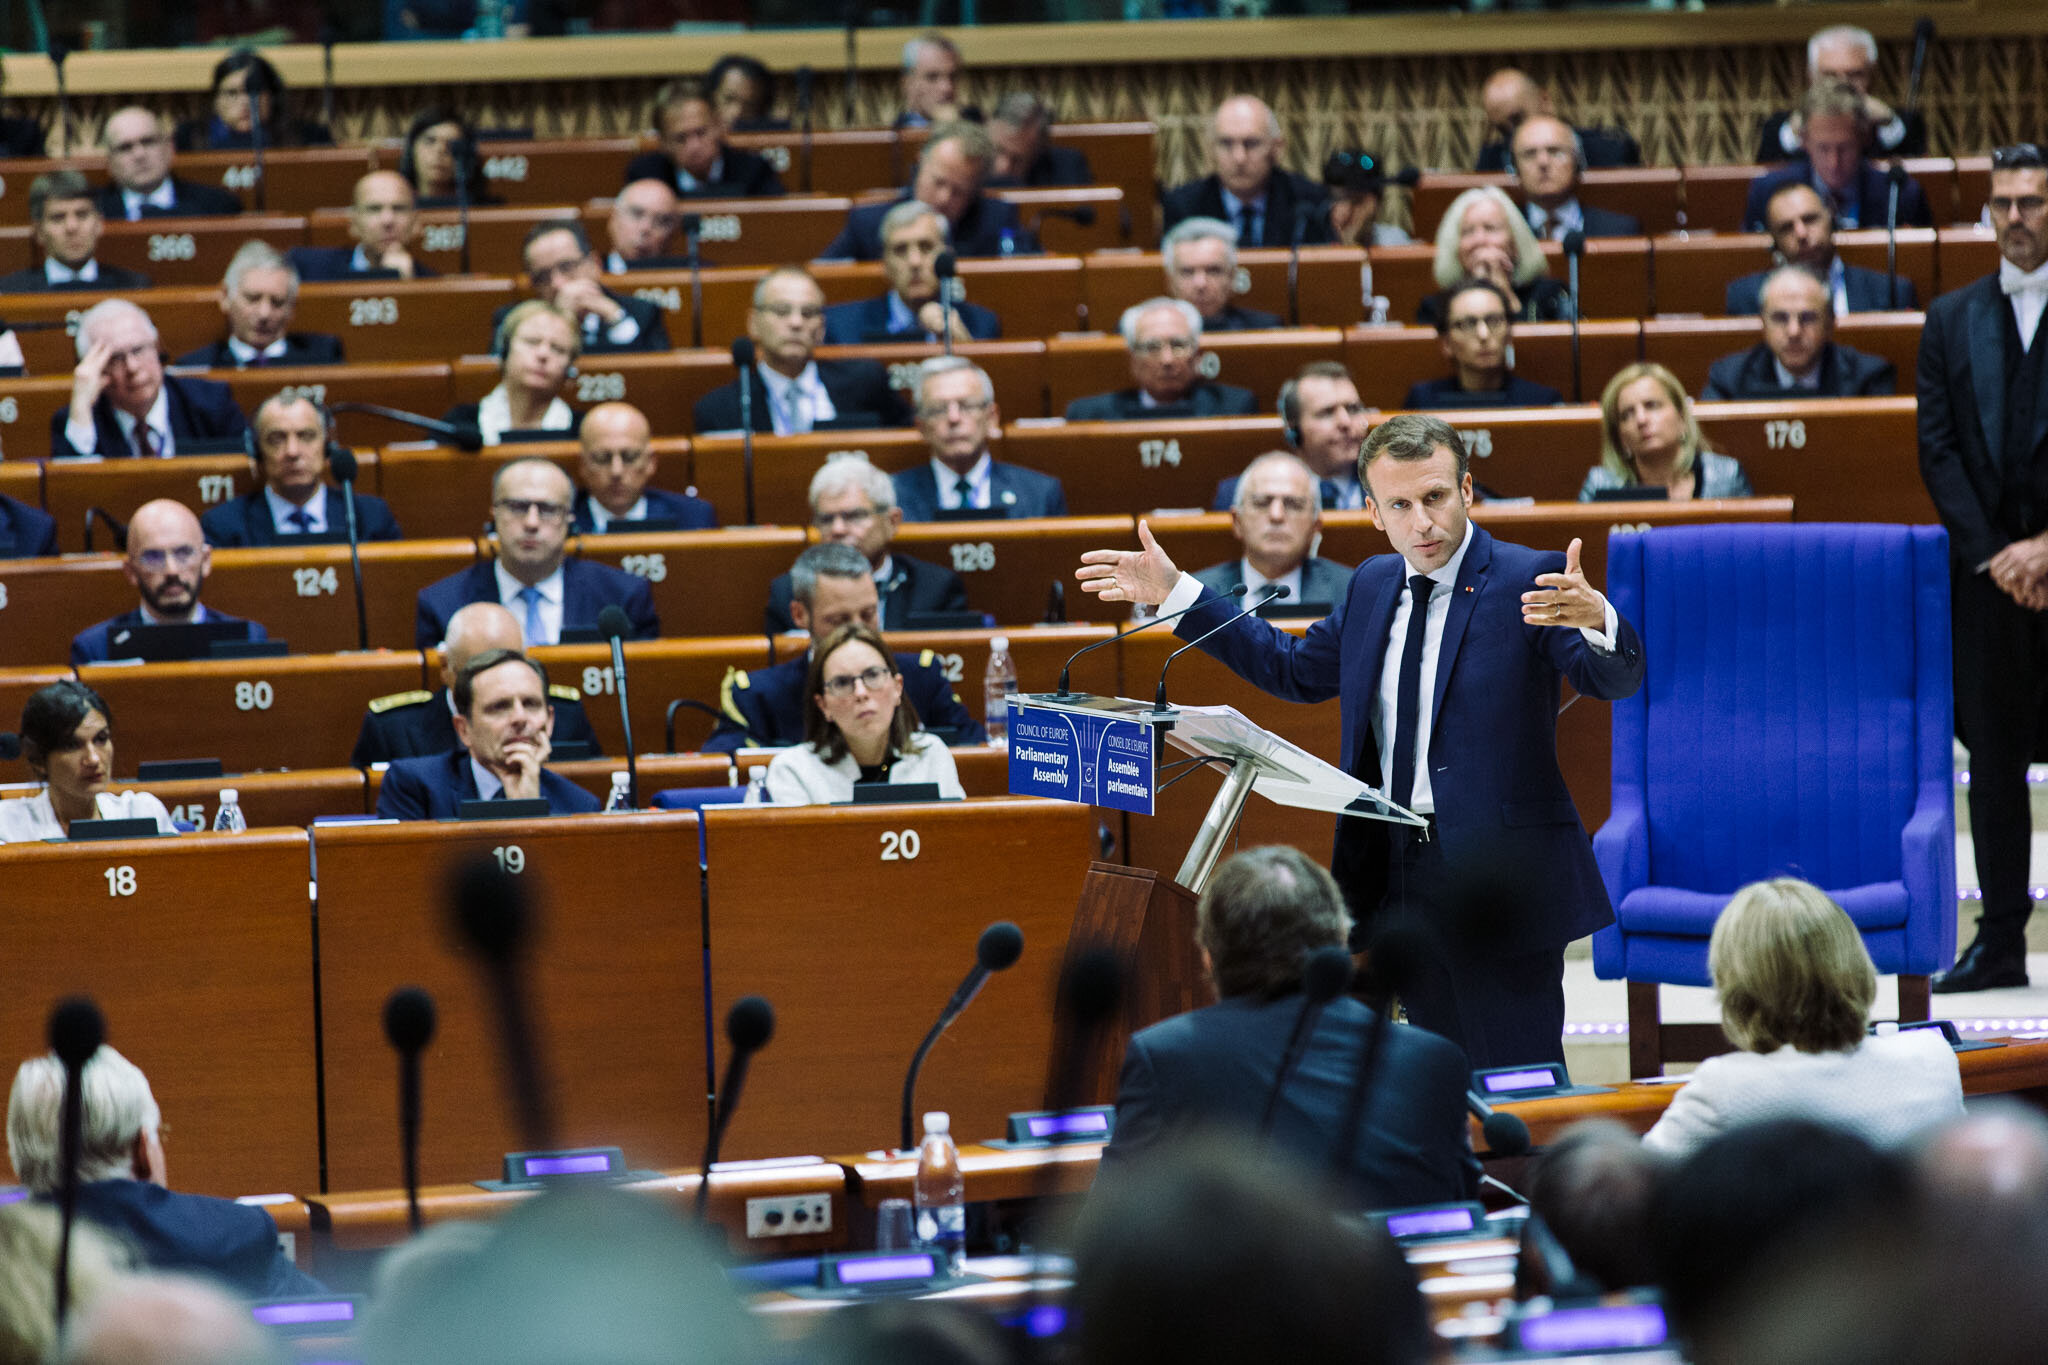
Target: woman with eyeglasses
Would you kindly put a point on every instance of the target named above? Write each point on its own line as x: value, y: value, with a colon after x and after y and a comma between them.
x: 1476, y: 332
x: 1650, y: 440
x: 67, y: 740
x: 1484, y: 235
x: 858, y: 727
x: 537, y: 345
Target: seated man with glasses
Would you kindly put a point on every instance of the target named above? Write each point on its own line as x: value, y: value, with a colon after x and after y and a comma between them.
x: 618, y: 461
x: 1165, y: 340
x: 562, y: 268
x: 854, y: 503
x: 791, y: 390
x: 140, y: 184
x: 957, y: 412
x: 1277, y: 517
x: 1798, y: 357
x: 167, y: 560
x: 504, y: 730
x: 830, y: 586
x: 1475, y: 329
x: 122, y: 403
x: 548, y: 593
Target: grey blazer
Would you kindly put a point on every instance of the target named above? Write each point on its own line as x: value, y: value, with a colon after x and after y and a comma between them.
x: 1714, y: 476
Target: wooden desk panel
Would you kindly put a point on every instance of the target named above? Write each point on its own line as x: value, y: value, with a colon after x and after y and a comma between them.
x: 186, y: 318
x: 1715, y: 196
x: 1693, y: 273
x: 1689, y: 347
x: 657, y: 672
x: 1839, y: 459
x: 1964, y: 254
x: 842, y: 160
x: 1120, y: 468
x: 251, y: 714
x: 784, y: 466
x: 17, y: 243
x: 306, y: 596
x: 440, y: 491
x: 290, y: 800
x: 1388, y: 361
x: 495, y: 235
x: 704, y: 582
x: 1015, y: 369
x: 1010, y: 566
x: 662, y: 384
x: 1125, y: 155
x: 405, y: 320
x: 22, y: 480
x: 197, y: 950
x: 895, y: 938
x: 550, y: 171
x: 51, y: 600
x: 1076, y: 367
x: 17, y: 685
x: 1327, y: 287
x: 1404, y: 276
x: 194, y: 250
x: 615, y: 988
x: 26, y: 407
x: 295, y: 179
x: 1614, y: 275
x: 657, y: 771
x: 1114, y: 225
x: 422, y: 387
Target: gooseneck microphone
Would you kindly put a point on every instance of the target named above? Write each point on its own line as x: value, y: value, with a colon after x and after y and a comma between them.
x: 612, y: 621
x: 76, y: 1031
x: 1895, y: 175
x: 1274, y: 592
x: 947, y: 268
x: 805, y: 82
x: 328, y: 36
x: 255, y: 85
x: 1506, y: 1134
x: 1303, y: 212
x: 409, y: 1026
x: 1323, y: 978
x: 58, y: 51
x: 743, y: 360
x: 853, y: 9
x: 693, y: 241
x: 996, y: 950
x: 465, y: 166
x: 118, y: 530
x: 749, y: 1024
x: 342, y: 461
x: 461, y: 436
x: 1923, y: 35
x: 1574, y: 251
x: 1238, y: 591
x: 496, y: 921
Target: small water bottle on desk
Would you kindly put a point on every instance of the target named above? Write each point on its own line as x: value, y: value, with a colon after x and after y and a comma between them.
x: 228, y: 819
x: 941, y: 1194
x: 999, y: 684
x: 621, y: 798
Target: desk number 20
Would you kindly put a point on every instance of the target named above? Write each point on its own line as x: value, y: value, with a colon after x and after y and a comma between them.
x: 900, y: 845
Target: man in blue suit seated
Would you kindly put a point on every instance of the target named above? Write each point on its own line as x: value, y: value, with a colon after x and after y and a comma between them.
x: 1802, y: 229
x: 950, y: 173
x: 1200, y: 256
x: 1262, y: 914
x: 1165, y: 340
x: 956, y: 412
x: 831, y: 585
x: 1323, y: 420
x: 1020, y: 126
x: 531, y: 503
x: 617, y: 464
x: 1798, y: 357
x: 121, y: 1174
x: 293, y: 500
x: 1833, y: 134
x: 789, y: 389
x: 913, y: 235
x: 695, y: 161
x: 25, y: 532
x: 167, y: 561
x: 854, y: 503
x: 1277, y: 517
x: 1447, y: 658
x: 503, y: 727
x: 260, y: 295
x: 1475, y: 327
x: 123, y: 404
x: 562, y: 267
x: 384, y: 219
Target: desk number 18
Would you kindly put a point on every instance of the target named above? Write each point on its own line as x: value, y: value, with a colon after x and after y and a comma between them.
x: 120, y: 880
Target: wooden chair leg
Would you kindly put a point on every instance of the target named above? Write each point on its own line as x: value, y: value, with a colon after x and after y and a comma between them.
x: 1915, y: 999
x: 1645, y: 1030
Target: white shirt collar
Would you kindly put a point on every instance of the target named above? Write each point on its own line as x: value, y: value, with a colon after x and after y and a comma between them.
x: 601, y: 518
x: 685, y: 181
x: 977, y: 475
x: 56, y: 272
x: 158, y: 417
x: 162, y: 197
x: 244, y: 353
x: 1448, y: 574
x: 281, y: 509
x: 509, y: 588
x: 1256, y: 582
x: 487, y: 783
x: 1789, y: 380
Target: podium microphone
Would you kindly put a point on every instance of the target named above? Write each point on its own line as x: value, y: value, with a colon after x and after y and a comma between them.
x: 77, y: 1028
x: 1574, y: 251
x: 1896, y: 175
x: 1323, y: 979
x: 996, y: 950
x: 1506, y: 1134
x: 1238, y: 591
x: 749, y: 1024
x: 342, y: 461
x: 612, y: 621
x: 743, y: 360
x: 494, y: 919
x: 1274, y: 592
x: 948, y: 270
x: 409, y: 1027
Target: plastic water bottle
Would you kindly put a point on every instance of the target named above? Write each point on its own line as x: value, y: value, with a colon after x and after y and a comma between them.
x: 621, y: 798
x: 998, y: 685
x: 941, y: 1193
x: 757, y: 788
x: 228, y: 819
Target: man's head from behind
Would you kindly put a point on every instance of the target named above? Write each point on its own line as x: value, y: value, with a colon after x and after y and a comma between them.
x: 952, y: 168
x: 1200, y: 256
x: 831, y: 586
x: 1802, y: 227
x: 476, y: 630
x: 854, y: 503
x: 1276, y: 512
x: 618, y: 458
x: 259, y: 294
x: 913, y: 235
x: 167, y: 558
x: 1245, y: 142
x: 138, y: 149
x: 1508, y: 97
x: 1165, y: 340
x: 1798, y: 321
x: 644, y: 219
x: 1325, y: 418
x: 291, y: 445
x: 1418, y: 487
x: 1548, y: 159
x: 119, y: 1139
x: 65, y: 217
x: 531, y: 500
x: 1833, y: 130
x: 383, y: 212
x: 1262, y: 913
x: 135, y: 365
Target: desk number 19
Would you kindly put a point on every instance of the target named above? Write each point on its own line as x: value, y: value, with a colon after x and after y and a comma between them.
x: 511, y: 857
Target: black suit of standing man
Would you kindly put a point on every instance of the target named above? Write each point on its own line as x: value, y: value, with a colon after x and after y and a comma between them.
x: 1502, y: 877
x: 1983, y: 377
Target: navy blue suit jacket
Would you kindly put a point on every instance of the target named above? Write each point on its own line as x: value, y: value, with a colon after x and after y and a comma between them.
x: 856, y: 387
x: 765, y: 708
x: 199, y: 410
x: 247, y: 521
x: 1014, y: 491
x: 1445, y: 393
x: 434, y: 788
x: 1845, y: 372
x: 980, y: 231
x: 1322, y: 580
x: 338, y: 263
x: 1206, y: 399
x: 423, y: 724
x: 1204, y: 199
x: 587, y: 589
x: 300, y: 348
x: 1866, y: 199
x: 25, y: 532
x: 1212, y: 1069
x: 188, y: 200
x: 1501, y: 803
x: 97, y: 644
x: 913, y: 586
x: 688, y: 513
x: 851, y: 324
x: 197, y: 1234
x: 1865, y: 288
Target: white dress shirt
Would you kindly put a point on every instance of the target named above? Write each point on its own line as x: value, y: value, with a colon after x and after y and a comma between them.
x: 1809, y: 381
x: 796, y: 405
x: 1257, y: 583
x: 281, y: 510
x: 601, y: 518
x: 2028, y: 290
x: 83, y: 437
x: 1556, y: 224
x: 487, y: 783
x: 245, y: 354
x: 161, y: 197
x: 981, y: 490
x: 56, y: 272
x: 494, y: 416
x: 33, y: 817
x: 623, y: 332
x: 551, y: 590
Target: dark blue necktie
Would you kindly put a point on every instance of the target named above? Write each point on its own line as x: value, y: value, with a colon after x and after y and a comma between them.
x: 1248, y: 225
x: 1407, y: 696
x: 301, y: 520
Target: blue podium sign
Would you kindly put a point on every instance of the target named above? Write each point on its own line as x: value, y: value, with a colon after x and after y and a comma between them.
x: 1068, y: 755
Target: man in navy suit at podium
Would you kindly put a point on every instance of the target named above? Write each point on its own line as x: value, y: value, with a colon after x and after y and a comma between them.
x: 1451, y: 711
x: 503, y: 725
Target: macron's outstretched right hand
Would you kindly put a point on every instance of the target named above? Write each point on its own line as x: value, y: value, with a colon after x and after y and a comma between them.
x: 1143, y: 575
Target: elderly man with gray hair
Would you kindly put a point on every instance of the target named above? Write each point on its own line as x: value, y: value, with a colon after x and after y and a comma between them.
x: 957, y: 413
x: 854, y: 503
x: 260, y: 294
x: 121, y: 1178
x: 1165, y: 340
x: 1200, y: 256
x: 122, y: 403
x: 1277, y: 515
x: 1845, y: 55
x: 914, y: 235
x: 1249, y: 189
